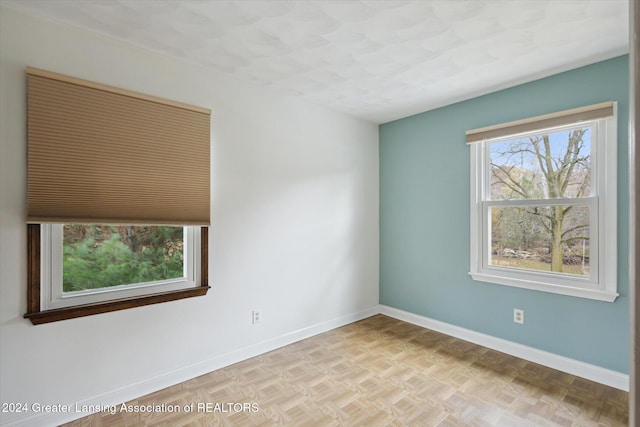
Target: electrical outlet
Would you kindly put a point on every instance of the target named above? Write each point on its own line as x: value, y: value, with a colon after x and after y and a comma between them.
x: 256, y: 316
x: 518, y: 316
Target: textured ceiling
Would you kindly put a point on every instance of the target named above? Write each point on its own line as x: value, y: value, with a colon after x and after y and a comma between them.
x: 378, y: 60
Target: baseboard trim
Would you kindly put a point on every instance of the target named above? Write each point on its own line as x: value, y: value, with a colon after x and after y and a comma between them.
x: 150, y: 385
x: 571, y: 366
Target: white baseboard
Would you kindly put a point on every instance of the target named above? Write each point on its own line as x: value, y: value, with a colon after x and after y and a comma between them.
x: 571, y: 366
x: 150, y: 385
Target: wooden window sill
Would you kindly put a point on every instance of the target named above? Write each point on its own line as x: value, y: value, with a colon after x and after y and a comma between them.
x: 65, y: 313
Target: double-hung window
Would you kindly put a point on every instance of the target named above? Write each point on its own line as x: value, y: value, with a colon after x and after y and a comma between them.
x: 118, y: 198
x: 543, y: 203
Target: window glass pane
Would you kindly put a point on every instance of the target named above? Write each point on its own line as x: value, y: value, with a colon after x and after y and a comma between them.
x: 544, y: 238
x: 99, y: 256
x: 545, y: 166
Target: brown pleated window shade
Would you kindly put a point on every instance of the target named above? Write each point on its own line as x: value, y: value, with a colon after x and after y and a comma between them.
x: 576, y: 115
x: 98, y: 154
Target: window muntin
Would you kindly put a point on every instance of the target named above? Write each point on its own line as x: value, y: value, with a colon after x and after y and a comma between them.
x: 571, y: 173
x: 111, y: 280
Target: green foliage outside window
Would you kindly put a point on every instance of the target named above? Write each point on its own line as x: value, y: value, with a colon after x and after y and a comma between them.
x: 99, y: 256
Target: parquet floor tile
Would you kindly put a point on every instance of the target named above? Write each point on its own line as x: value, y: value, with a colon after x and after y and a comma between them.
x: 381, y: 372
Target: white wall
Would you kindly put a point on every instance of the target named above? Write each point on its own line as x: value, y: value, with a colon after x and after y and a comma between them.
x: 294, y: 230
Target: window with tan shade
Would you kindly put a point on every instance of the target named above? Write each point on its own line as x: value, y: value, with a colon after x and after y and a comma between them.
x: 109, y: 164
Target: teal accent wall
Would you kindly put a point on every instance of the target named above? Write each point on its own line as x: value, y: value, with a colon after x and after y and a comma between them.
x: 424, y: 222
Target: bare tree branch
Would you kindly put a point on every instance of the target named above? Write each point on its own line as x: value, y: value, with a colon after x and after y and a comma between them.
x: 577, y: 227
x: 514, y: 186
x: 575, y: 238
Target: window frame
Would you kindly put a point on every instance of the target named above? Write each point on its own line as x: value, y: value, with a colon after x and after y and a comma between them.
x: 602, y: 283
x: 53, y: 295
x: 39, y: 313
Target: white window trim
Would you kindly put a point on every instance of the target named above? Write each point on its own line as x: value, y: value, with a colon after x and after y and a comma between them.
x: 602, y: 285
x: 52, y: 295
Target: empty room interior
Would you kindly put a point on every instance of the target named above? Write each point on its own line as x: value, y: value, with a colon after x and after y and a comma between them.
x: 316, y: 213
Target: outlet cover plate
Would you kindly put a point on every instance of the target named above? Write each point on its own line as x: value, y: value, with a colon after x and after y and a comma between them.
x: 256, y: 316
x: 518, y: 316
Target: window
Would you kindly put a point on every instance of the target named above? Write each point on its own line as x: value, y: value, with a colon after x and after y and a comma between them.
x: 103, y: 155
x: 543, y: 203
x: 94, y: 263
x: 51, y: 298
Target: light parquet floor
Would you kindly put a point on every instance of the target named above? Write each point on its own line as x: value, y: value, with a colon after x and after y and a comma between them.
x: 382, y: 372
